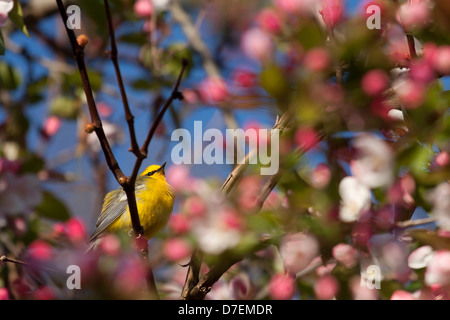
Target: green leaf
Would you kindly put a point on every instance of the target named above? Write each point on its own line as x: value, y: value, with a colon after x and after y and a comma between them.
x: 9, y: 77
x: 52, y: 208
x: 2, y: 45
x: 16, y: 16
x: 173, y: 58
x: 74, y: 80
x: 431, y: 238
x: 274, y: 82
x: 64, y: 107
x: 31, y: 163
x: 36, y: 90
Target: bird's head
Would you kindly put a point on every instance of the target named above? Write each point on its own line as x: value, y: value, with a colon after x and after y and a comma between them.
x: 155, y: 171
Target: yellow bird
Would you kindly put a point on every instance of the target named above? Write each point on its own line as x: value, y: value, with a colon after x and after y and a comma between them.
x: 154, y: 199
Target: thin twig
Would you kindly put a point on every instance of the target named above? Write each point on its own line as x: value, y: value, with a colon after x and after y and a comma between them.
x: 144, y: 149
x: 114, y: 58
x: 95, y: 117
x: 416, y: 222
x: 6, y: 259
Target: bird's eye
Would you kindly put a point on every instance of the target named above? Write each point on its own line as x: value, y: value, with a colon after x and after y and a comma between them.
x: 151, y: 173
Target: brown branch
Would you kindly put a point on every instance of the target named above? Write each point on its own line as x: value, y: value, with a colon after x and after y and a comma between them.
x: 194, y: 287
x: 192, y: 276
x: 78, y: 53
x: 414, y: 223
x: 6, y: 259
x: 281, y: 123
x: 114, y: 58
x: 144, y: 149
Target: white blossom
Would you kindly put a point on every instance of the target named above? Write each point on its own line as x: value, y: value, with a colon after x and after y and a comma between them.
x: 440, y: 198
x: 161, y: 5
x: 421, y: 257
x: 297, y: 251
x: 374, y: 164
x: 355, y: 199
x: 5, y: 7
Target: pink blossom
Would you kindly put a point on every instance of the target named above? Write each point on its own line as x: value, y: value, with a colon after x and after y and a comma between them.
x: 375, y: 82
x: 44, y: 293
x: 297, y: 251
x: 394, y: 258
x: 401, y: 192
x: 131, y: 275
x: 306, y: 138
x: 361, y: 291
x: 248, y: 188
x: 411, y: 94
x: 213, y: 90
x: 7, y: 165
x: 176, y: 249
x: 442, y: 159
x: 438, y: 269
x: 110, y: 244
x: 295, y: 6
x: 179, y: 178
x: 58, y: 229
x: 76, y: 230
x: 385, y: 218
x: 317, y: 60
x: 4, y: 294
x: 190, y: 96
x: 241, y: 287
x: 257, y: 44
x: 332, y: 12
x: 324, y: 270
x: 51, y: 126
x: 361, y: 234
x: 231, y: 219
x: 326, y: 287
x: 321, y: 176
x: 414, y: 15
x: 179, y: 223
x: 422, y: 72
x: 244, y: 78
x: 195, y: 207
x: 345, y: 254
x: 269, y: 20
x: 282, y: 286
x: 104, y: 109
x: 402, y: 295
x: 40, y: 250
x: 143, y: 8
x: 441, y: 60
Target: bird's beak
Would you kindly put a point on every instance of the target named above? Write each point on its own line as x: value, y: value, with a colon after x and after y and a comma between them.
x: 162, y: 167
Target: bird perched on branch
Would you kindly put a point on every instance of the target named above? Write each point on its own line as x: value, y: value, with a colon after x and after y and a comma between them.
x: 154, y: 199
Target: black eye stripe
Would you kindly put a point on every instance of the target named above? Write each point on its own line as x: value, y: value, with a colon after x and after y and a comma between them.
x: 150, y: 173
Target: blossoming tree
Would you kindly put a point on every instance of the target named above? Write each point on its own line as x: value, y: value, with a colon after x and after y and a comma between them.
x: 359, y: 208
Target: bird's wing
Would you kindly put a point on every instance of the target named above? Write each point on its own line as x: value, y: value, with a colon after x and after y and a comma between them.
x: 114, y: 205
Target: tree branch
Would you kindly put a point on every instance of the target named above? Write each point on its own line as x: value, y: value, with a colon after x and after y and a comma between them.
x: 144, y: 149
x: 113, y: 54
x: 95, y: 117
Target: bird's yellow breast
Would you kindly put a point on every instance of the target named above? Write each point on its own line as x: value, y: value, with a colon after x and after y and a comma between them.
x: 154, y: 198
